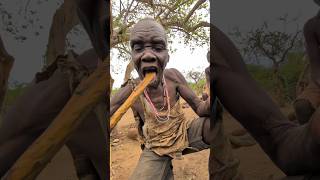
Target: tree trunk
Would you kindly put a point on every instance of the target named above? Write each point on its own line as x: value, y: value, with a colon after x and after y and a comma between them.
x: 64, y: 19
x: 304, y: 77
x: 6, y: 63
x: 279, y: 87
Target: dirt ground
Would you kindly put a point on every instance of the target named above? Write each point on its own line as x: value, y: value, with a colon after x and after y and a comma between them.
x: 255, y: 165
x: 60, y: 168
x: 125, y: 152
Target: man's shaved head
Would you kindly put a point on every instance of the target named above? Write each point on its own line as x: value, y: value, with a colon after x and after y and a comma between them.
x: 147, y: 24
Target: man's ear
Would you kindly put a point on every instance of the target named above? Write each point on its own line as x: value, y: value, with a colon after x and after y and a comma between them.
x: 168, y: 58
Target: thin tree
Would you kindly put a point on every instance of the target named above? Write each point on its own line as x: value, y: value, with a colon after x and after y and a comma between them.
x: 274, y: 45
x: 195, y: 75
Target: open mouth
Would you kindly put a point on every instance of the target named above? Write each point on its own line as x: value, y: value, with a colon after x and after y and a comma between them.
x: 151, y: 69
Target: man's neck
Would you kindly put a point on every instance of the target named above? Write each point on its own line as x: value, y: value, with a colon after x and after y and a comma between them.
x: 152, y: 89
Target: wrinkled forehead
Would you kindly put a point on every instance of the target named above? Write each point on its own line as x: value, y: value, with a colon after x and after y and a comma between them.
x: 148, y: 30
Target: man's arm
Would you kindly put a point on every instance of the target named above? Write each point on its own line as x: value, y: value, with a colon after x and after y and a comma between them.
x: 202, y: 108
x: 312, y: 38
x: 95, y: 16
x: 119, y: 98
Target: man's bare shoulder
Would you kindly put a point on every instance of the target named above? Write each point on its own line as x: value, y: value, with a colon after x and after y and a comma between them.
x: 312, y: 24
x: 173, y: 75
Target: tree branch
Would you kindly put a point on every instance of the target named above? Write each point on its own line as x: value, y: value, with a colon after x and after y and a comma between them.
x: 292, y: 43
x: 195, y: 7
x: 199, y: 25
x: 127, y: 13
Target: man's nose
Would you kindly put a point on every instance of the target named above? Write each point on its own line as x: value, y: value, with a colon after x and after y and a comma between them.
x: 148, y: 57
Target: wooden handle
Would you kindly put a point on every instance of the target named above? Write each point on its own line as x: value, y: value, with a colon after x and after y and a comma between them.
x: 131, y: 99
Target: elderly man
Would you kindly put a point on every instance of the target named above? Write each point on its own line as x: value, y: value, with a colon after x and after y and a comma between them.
x: 163, y: 129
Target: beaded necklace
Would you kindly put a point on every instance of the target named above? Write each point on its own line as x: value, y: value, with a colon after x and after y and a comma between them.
x: 154, y: 109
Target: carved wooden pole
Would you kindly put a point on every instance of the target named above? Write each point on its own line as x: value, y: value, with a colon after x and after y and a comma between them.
x: 131, y: 99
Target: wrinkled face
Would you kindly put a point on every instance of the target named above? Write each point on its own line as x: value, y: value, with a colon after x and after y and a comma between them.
x: 149, y: 49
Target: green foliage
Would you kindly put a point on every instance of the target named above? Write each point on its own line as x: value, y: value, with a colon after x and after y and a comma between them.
x: 262, y: 75
x: 198, y: 87
x: 13, y: 93
x: 114, y: 91
x: 289, y: 71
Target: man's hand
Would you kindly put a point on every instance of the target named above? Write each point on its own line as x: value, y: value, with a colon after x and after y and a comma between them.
x: 205, y: 96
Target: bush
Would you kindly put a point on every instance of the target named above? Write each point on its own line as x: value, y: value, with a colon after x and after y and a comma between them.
x: 11, y: 95
x: 290, y: 72
x: 199, y: 87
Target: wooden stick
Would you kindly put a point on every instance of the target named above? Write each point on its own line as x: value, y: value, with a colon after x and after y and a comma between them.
x: 90, y: 92
x: 131, y: 99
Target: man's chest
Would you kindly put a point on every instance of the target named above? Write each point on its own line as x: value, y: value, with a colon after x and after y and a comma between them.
x: 155, y: 103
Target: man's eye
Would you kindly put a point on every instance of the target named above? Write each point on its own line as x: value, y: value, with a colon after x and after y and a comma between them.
x: 137, y: 48
x: 158, y: 48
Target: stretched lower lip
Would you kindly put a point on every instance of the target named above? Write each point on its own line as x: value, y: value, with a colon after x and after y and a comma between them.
x: 145, y: 72
x: 154, y: 78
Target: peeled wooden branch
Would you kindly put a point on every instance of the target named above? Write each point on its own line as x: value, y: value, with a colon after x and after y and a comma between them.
x: 90, y: 92
x: 131, y: 99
